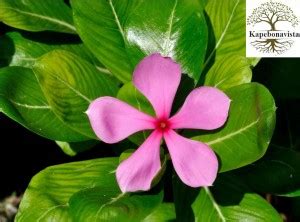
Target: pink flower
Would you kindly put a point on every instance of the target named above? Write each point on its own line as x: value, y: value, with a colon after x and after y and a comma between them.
x: 205, y: 108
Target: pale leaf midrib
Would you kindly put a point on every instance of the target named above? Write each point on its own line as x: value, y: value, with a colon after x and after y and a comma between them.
x: 215, y: 205
x: 78, y: 93
x: 113, y: 200
x: 28, y: 106
x: 51, y: 209
x: 117, y: 19
x: 50, y: 19
x: 222, y: 35
x: 169, y: 30
x: 239, y: 70
x: 103, y: 70
x: 241, y: 130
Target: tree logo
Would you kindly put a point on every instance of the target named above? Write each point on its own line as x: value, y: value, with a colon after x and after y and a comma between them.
x: 271, y: 28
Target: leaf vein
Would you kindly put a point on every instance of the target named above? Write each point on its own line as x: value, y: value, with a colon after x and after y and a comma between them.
x: 50, y: 19
x: 117, y: 19
x: 215, y: 205
x: 223, y: 34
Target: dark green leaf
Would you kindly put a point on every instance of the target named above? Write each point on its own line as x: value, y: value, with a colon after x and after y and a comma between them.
x: 246, y: 135
x: 277, y: 173
x: 231, y: 200
x: 22, y: 99
x: 32, y: 15
x: 100, y: 25
x: 173, y: 28
x: 23, y: 49
x: 69, y: 84
x: 228, y: 200
x: 164, y: 212
x: 131, y: 95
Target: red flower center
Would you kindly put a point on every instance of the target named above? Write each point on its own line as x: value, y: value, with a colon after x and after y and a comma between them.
x: 162, y: 125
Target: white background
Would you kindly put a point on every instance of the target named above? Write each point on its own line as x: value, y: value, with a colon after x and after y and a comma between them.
x: 294, y: 51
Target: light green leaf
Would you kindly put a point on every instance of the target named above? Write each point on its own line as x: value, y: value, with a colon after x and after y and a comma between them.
x: 229, y: 71
x: 227, y: 22
x: 69, y: 84
x: 22, y: 99
x: 164, y: 212
x: 106, y: 204
x: 72, y: 148
x: 174, y: 28
x: 227, y: 200
x: 246, y: 135
x: 48, y: 193
x: 23, y: 49
x: 277, y: 173
x: 100, y: 25
x: 129, y: 94
x: 32, y: 15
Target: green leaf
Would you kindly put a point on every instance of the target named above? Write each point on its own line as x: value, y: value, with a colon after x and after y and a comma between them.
x: 164, y: 212
x: 228, y: 200
x: 22, y: 99
x: 229, y: 71
x: 73, y: 148
x: 203, y: 2
x: 228, y: 30
x: 129, y: 94
x: 277, y: 173
x: 100, y: 26
x: 106, y: 204
x: 231, y: 200
x: 126, y: 154
x: 295, y: 193
x: 69, y: 84
x: 35, y: 16
x: 23, y: 49
x: 166, y: 27
x: 247, y: 133
x: 47, y: 196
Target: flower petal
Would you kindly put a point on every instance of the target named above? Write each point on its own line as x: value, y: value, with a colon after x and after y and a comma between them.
x: 194, y: 162
x: 137, y: 172
x: 204, y: 108
x: 158, y: 78
x: 113, y: 120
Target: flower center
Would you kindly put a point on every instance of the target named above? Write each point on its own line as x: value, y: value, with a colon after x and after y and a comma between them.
x: 162, y: 124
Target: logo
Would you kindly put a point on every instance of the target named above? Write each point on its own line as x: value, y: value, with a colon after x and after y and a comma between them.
x: 273, y: 28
